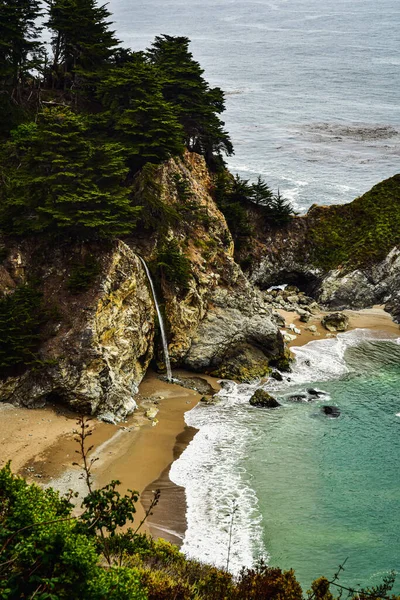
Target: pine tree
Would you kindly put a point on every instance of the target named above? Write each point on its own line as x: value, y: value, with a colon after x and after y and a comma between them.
x: 20, y: 52
x: 138, y: 113
x: 262, y: 194
x: 82, y: 41
x: 66, y: 181
x: 281, y: 211
x: 197, y: 105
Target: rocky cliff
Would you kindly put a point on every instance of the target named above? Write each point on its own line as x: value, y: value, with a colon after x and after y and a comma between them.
x: 346, y: 256
x: 100, y: 331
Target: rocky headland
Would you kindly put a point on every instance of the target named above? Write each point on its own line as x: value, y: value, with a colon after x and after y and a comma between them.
x: 100, y: 334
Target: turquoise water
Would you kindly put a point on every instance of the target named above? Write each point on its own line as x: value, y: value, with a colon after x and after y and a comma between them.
x: 328, y: 488
x: 310, y: 491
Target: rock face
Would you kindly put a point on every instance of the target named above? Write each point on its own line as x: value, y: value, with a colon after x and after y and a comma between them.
x: 99, y: 343
x: 100, y: 352
x: 308, y: 252
x: 237, y: 338
x: 221, y: 323
x: 336, y: 322
x: 262, y: 399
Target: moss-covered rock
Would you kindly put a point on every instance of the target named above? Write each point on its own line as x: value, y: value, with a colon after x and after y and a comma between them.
x: 336, y: 322
x: 262, y: 399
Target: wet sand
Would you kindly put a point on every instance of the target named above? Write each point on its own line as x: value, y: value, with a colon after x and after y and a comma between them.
x: 374, y: 318
x: 139, y: 452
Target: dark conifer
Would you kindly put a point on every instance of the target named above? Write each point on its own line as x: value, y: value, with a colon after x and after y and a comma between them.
x: 138, y: 113
x: 66, y: 181
x: 197, y: 105
x: 82, y: 41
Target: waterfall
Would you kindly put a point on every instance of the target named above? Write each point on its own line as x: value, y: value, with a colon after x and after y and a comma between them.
x: 160, y: 320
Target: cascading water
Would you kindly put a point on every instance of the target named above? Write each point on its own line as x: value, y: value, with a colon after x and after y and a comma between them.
x: 160, y: 320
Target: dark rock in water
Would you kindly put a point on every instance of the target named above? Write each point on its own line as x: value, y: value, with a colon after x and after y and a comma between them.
x: 199, y: 384
x: 210, y: 400
x: 276, y: 375
x: 262, y: 399
x: 315, y: 393
x: 331, y: 411
x: 336, y: 322
x: 298, y: 398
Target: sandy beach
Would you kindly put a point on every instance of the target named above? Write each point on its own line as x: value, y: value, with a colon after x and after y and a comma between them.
x: 139, y: 452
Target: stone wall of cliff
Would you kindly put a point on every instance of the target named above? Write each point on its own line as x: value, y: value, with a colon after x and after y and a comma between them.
x: 98, y: 341
x: 346, y: 256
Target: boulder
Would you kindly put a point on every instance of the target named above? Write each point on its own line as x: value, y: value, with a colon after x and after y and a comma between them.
x: 315, y: 393
x: 237, y: 337
x: 331, y: 411
x: 298, y: 398
x: 336, y: 322
x: 305, y: 317
x: 276, y: 375
x: 262, y: 399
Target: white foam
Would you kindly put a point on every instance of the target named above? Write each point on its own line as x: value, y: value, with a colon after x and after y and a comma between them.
x: 215, y: 482
x: 211, y: 468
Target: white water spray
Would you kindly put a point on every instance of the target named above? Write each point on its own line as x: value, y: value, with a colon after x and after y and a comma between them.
x: 160, y: 320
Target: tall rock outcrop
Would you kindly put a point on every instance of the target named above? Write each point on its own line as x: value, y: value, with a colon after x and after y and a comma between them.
x: 98, y: 343
x: 101, y: 341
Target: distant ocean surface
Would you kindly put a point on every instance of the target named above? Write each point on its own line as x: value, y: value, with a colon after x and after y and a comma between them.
x: 313, y: 88
x: 312, y: 95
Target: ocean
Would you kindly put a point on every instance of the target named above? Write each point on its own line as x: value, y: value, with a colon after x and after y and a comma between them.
x: 301, y: 489
x: 312, y: 88
x: 312, y: 104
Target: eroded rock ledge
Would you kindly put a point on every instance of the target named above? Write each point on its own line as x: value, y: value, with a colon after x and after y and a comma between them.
x: 346, y: 257
x: 99, y: 343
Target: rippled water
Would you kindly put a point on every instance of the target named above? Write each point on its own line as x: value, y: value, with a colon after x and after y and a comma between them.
x: 312, y: 87
x: 311, y: 490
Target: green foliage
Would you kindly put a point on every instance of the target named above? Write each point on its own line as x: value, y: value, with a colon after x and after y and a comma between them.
x: 174, y: 265
x: 235, y: 196
x: 81, y: 40
x: 19, y: 45
x: 197, y: 105
x: 137, y: 113
x: 105, y: 508
x: 21, y: 315
x: 148, y: 196
x: 65, y: 182
x: 266, y: 583
x: 83, y: 274
x: 360, y: 233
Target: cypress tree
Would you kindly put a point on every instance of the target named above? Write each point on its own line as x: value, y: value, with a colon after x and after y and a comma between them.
x: 20, y: 53
x: 82, y: 41
x: 197, y: 105
x: 138, y: 113
x: 66, y: 181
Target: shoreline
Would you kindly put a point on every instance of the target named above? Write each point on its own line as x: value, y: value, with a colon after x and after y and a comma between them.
x: 140, y: 451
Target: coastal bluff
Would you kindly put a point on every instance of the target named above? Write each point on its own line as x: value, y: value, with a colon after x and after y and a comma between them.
x: 98, y: 332
x: 344, y: 256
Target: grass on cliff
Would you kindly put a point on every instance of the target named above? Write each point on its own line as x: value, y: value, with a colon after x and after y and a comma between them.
x: 358, y: 234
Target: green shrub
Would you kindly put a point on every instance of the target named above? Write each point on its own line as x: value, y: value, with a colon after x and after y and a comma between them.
x: 174, y: 265
x: 83, y: 274
x: 21, y: 314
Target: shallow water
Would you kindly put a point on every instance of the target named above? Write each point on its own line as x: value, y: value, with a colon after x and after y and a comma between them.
x: 312, y: 87
x: 311, y: 490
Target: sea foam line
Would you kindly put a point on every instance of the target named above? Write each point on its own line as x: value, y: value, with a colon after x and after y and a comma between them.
x: 211, y: 471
